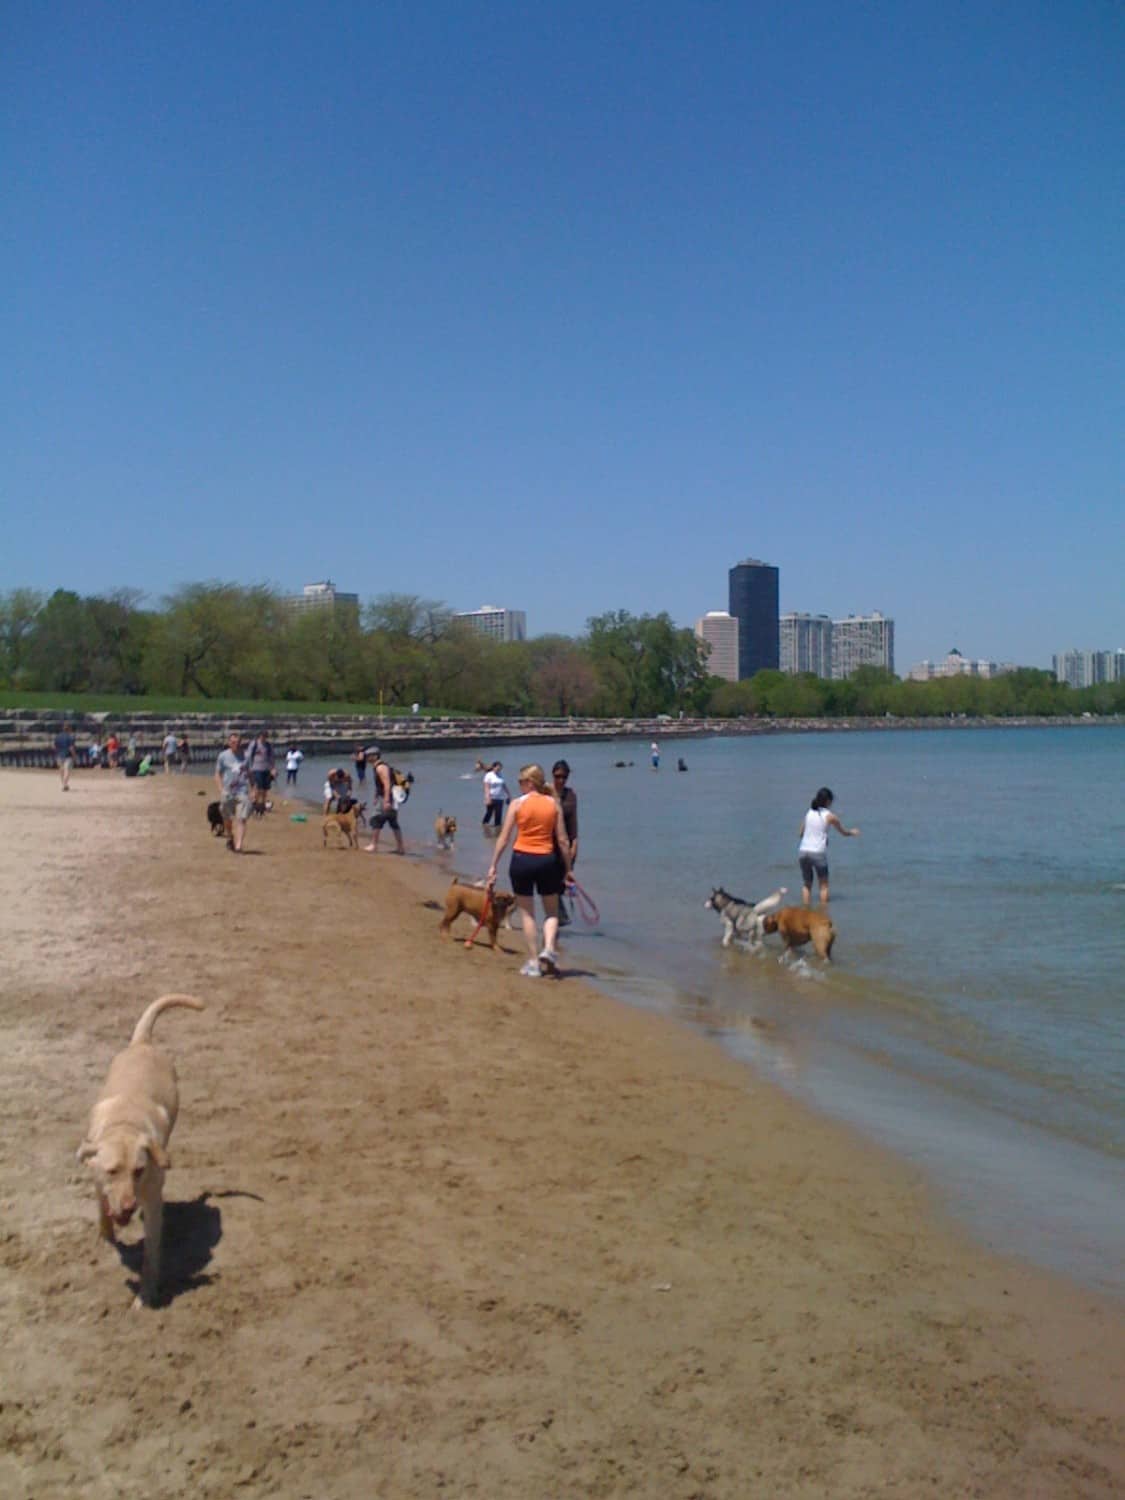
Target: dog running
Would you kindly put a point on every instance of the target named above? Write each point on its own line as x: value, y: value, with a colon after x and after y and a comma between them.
x: 445, y: 830
x: 798, y: 925
x: 742, y: 920
x: 126, y: 1144
x: 215, y: 819
x: 344, y: 823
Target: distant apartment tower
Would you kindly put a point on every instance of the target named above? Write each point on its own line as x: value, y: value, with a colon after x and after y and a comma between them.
x: 322, y: 596
x: 720, y: 631
x: 862, y: 641
x: 806, y: 644
x: 956, y: 665
x: 753, y: 603
x: 1082, y: 669
x: 498, y: 624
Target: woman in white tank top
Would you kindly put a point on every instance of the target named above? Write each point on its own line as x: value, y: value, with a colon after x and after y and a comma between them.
x: 812, y: 851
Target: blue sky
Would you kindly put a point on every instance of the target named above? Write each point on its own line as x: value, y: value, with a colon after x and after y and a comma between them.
x: 570, y: 307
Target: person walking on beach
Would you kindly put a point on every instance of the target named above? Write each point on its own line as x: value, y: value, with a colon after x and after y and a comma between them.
x: 293, y: 759
x: 540, y: 863
x: 359, y: 759
x: 654, y: 755
x: 169, y: 746
x: 64, y: 754
x: 261, y: 768
x: 232, y: 777
x: 183, y: 749
x: 568, y: 801
x: 812, y: 852
x: 495, y: 795
x: 385, y: 812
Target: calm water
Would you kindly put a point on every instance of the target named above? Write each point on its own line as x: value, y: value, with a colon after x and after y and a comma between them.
x: 975, y: 1017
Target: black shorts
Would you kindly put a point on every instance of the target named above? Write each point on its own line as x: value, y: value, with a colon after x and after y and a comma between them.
x: 542, y: 873
x: 261, y: 779
x: 386, y: 819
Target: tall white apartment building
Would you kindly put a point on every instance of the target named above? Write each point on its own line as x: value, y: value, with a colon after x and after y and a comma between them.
x: 720, y: 631
x: 1081, y: 669
x: 497, y: 623
x: 323, y: 595
x: 806, y: 644
x: 862, y: 641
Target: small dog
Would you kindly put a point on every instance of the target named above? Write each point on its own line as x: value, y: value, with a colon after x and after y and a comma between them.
x: 742, y: 920
x: 215, y: 818
x: 472, y: 898
x: 445, y: 830
x: 127, y: 1138
x: 343, y: 822
x: 798, y: 925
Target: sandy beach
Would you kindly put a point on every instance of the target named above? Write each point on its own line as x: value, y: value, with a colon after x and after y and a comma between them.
x: 436, y: 1230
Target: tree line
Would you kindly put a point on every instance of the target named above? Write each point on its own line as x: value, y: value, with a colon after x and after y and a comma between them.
x: 223, y: 641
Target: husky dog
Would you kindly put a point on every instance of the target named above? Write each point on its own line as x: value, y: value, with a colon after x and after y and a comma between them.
x: 742, y: 919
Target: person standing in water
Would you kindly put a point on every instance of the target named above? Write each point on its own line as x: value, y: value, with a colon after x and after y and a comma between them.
x: 812, y: 852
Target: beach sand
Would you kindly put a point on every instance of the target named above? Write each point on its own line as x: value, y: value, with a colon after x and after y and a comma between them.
x: 436, y: 1230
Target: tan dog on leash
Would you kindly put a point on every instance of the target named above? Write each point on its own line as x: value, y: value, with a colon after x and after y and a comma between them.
x: 126, y: 1145
x: 474, y: 900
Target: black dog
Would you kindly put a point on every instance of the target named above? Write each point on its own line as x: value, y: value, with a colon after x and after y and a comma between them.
x: 215, y: 818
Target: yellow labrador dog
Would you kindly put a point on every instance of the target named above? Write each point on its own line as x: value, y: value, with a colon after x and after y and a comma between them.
x: 127, y: 1138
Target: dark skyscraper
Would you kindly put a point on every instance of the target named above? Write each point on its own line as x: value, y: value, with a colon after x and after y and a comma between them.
x: 753, y: 603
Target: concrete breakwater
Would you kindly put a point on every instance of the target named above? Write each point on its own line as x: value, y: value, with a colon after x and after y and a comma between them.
x: 27, y: 735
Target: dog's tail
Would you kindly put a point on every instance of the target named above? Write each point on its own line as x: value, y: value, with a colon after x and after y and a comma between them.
x: 142, y: 1032
x: 769, y: 902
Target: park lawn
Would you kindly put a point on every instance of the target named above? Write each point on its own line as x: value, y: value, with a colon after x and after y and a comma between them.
x: 125, y: 704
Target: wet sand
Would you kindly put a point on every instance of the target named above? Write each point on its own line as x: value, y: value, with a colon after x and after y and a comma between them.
x: 433, y: 1229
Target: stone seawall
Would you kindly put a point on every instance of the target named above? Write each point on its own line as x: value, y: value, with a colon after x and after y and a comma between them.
x: 27, y: 735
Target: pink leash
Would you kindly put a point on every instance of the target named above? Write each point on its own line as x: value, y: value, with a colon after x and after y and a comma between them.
x: 584, y: 904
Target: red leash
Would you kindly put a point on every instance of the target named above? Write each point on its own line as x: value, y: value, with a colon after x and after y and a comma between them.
x: 469, y: 941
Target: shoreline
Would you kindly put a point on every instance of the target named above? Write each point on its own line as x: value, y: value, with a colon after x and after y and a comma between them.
x: 27, y: 735
x: 443, y: 1230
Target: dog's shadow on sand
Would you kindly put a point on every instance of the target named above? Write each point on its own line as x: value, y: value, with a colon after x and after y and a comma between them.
x: 191, y: 1232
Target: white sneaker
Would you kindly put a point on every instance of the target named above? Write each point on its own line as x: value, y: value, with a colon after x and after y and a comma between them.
x: 530, y: 969
x: 548, y: 961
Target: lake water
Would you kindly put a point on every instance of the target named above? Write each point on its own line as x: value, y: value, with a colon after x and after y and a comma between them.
x: 974, y: 1019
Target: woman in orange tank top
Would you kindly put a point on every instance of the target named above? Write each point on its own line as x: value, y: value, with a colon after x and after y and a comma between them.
x: 540, y: 862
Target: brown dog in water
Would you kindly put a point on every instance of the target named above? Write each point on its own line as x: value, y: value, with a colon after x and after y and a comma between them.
x: 472, y: 898
x: 445, y: 830
x: 797, y: 925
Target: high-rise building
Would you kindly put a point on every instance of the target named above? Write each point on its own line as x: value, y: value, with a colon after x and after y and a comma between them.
x: 1081, y: 669
x: 806, y: 644
x: 862, y: 641
x: 323, y: 595
x: 720, y: 631
x: 497, y: 623
x: 753, y: 603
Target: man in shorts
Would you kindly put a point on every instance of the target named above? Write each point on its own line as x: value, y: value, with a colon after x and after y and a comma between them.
x: 261, y: 769
x: 232, y: 777
x: 169, y: 747
x: 386, y: 813
x: 64, y: 754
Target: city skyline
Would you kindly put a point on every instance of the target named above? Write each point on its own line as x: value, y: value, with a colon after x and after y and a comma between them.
x: 658, y: 282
